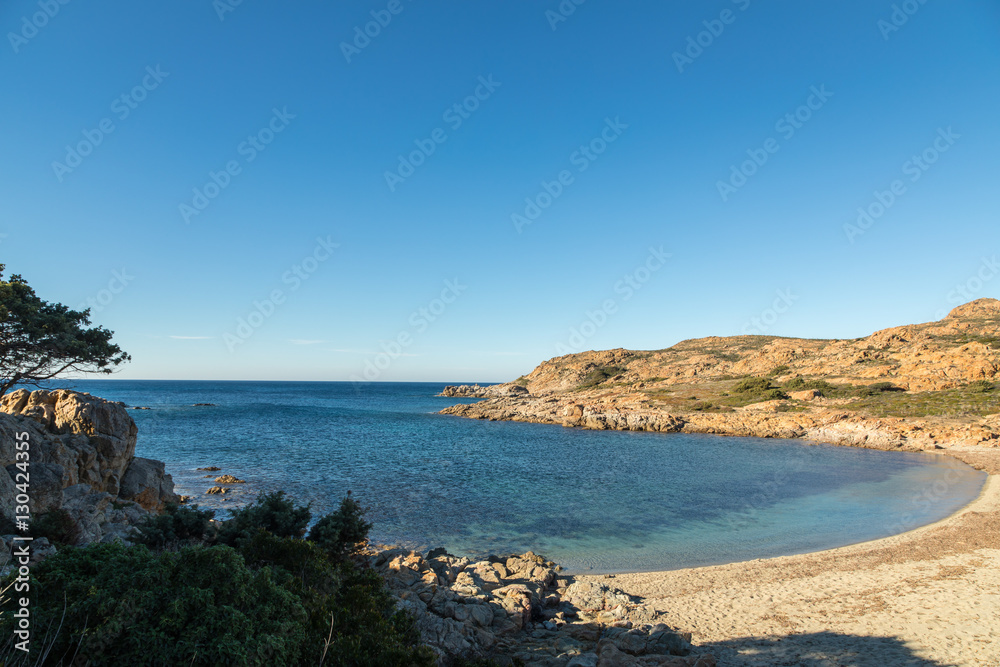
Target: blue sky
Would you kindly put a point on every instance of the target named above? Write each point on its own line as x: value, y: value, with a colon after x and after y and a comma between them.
x: 177, y: 165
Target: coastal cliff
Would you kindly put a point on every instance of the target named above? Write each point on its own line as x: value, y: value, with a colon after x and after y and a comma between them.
x: 82, y: 462
x: 914, y: 387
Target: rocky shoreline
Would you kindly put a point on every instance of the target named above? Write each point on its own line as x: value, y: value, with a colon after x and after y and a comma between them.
x: 489, y: 391
x: 949, y: 367
x: 520, y: 608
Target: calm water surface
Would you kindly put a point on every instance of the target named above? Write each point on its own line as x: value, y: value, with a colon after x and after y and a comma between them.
x: 599, y: 501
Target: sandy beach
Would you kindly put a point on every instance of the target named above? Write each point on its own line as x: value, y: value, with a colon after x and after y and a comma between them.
x: 930, y: 596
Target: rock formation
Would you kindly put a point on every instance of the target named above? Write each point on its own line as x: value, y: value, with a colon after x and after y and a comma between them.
x: 508, y: 389
x: 82, y: 461
x: 519, y: 608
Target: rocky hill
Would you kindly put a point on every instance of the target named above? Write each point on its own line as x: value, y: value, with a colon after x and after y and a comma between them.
x: 82, y: 462
x: 919, y: 386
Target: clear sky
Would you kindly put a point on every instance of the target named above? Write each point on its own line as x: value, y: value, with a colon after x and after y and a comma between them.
x: 537, y: 177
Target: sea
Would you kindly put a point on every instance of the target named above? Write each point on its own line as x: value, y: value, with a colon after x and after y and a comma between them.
x: 593, y: 501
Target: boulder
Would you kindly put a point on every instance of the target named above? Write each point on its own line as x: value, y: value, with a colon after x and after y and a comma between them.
x: 147, y: 483
x: 107, y: 433
x: 804, y: 395
x: 45, y: 488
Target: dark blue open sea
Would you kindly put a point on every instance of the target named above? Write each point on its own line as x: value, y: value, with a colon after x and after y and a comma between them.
x: 601, y: 501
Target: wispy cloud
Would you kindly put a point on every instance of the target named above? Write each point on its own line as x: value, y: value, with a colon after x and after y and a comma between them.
x: 501, y: 354
x: 191, y: 337
x: 363, y: 351
x: 300, y: 341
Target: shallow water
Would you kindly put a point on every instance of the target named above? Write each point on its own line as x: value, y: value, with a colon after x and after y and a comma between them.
x: 594, y: 501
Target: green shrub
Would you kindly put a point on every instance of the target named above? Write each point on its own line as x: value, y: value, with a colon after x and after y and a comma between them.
x: 273, y: 512
x: 340, y: 531
x: 773, y: 395
x: 795, y: 383
x: 177, y: 526
x: 126, y: 605
x: 270, y: 601
x: 57, y: 526
x: 778, y: 370
x: 876, y: 389
x: 753, y: 385
x: 599, y: 375
x: 980, y: 386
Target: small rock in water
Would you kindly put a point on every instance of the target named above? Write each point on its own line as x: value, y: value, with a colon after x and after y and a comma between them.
x: 229, y: 479
x: 210, y: 468
x: 216, y: 490
x: 208, y: 405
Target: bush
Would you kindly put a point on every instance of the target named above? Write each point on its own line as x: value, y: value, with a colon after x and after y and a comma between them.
x: 876, y: 389
x: 273, y: 512
x: 752, y: 386
x: 980, y: 386
x: 795, y: 384
x: 340, y: 531
x: 778, y: 370
x: 271, y: 600
x: 177, y: 526
x: 599, y: 375
x: 126, y: 605
x: 57, y: 526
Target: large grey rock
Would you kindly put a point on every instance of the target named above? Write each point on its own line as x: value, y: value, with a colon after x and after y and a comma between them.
x: 88, y: 509
x: 93, y: 439
x: 8, y: 494
x: 147, y: 483
x: 44, y: 486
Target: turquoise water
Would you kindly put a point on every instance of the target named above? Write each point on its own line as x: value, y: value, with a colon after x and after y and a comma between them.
x: 598, y: 501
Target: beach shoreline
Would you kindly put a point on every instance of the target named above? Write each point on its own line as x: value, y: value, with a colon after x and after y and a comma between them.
x: 925, y: 596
